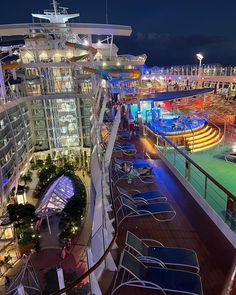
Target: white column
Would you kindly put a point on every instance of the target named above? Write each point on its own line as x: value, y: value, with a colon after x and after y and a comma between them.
x: 61, y: 281
x: 20, y: 290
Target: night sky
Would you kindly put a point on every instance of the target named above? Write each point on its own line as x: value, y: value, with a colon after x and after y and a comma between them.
x: 169, y: 32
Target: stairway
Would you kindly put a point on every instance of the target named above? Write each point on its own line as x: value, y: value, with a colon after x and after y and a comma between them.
x: 204, y: 138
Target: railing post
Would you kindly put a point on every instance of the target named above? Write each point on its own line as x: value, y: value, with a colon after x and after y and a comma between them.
x: 205, y: 189
x: 174, y: 157
x: 187, y: 169
x: 231, y: 211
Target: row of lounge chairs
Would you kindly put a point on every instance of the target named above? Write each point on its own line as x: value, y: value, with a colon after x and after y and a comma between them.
x: 125, y: 148
x: 166, y: 269
x: 158, y: 278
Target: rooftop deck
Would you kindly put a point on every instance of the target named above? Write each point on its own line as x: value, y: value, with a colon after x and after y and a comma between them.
x: 191, y: 228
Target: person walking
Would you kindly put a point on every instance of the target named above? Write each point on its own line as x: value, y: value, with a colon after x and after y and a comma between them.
x: 63, y: 252
x: 131, y: 127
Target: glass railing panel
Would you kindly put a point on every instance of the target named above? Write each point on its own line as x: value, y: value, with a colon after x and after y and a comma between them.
x: 216, y: 198
x: 219, y: 199
x: 197, y: 180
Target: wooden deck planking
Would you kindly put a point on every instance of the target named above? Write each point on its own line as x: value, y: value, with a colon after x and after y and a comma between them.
x: 191, y: 228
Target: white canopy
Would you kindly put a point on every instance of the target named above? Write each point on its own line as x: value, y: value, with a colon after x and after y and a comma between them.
x: 56, y: 197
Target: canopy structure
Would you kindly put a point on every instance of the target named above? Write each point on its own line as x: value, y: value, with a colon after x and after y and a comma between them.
x: 56, y: 197
x: 169, y: 95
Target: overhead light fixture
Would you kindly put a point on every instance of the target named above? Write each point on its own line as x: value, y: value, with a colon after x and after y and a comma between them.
x: 199, y: 56
x: 86, y: 42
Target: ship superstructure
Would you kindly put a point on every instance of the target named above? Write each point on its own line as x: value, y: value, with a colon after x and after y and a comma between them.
x: 43, y: 77
x: 65, y: 91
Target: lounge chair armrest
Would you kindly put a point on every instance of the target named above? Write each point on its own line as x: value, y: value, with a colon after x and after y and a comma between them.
x: 149, y: 259
x: 153, y: 241
x: 138, y: 201
x: 134, y: 190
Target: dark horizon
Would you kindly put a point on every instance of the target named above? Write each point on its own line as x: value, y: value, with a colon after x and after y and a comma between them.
x: 169, y: 34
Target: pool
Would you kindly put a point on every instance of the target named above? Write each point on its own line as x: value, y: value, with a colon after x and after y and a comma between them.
x: 176, y: 125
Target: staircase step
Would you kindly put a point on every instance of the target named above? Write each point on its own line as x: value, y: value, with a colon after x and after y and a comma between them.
x: 185, y: 133
x: 206, y: 137
x: 205, y: 143
x: 204, y: 129
x: 209, y: 146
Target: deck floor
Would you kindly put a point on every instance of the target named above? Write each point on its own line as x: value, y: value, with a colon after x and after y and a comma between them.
x: 191, y: 228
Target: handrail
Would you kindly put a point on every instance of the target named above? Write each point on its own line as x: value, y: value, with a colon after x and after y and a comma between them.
x: 103, y: 257
x: 228, y: 193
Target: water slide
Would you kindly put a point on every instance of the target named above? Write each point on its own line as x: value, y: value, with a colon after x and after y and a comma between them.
x: 116, y: 74
x: 82, y: 47
x: 36, y: 37
x: 7, y: 60
x: 80, y: 57
x: 12, y: 66
x: 14, y: 81
x: 14, y: 42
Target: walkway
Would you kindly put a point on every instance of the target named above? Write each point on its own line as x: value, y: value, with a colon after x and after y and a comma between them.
x: 191, y: 228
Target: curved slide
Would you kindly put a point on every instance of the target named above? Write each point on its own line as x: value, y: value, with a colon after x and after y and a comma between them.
x: 80, y: 57
x: 36, y: 37
x: 117, y: 74
x: 82, y: 47
x: 12, y: 66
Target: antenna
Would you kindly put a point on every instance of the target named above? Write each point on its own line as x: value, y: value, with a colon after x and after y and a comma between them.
x: 55, y: 6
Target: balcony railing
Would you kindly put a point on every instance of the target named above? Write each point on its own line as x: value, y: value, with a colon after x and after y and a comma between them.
x: 222, y: 201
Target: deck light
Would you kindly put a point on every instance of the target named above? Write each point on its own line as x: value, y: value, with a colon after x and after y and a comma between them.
x: 200, y: 58
x: 86, y: 42
x: 99, y: 42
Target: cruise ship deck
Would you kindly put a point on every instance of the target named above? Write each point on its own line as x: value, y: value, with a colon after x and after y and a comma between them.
x: 191, y: 228
x: 79, y: 122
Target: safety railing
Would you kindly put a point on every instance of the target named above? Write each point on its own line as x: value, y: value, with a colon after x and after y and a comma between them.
x: 86, y: 274
x: 210, y: 70
x: 222, y: 201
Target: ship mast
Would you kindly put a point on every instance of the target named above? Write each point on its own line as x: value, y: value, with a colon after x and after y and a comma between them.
x: 58, y: 15
x: 55, y: 4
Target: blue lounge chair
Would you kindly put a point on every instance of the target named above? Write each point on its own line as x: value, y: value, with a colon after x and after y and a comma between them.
x: 145, y: 196
x: 124, y: 145
x: 133, y: 164
x: 161, y: 279
x: 230, y: 157
x: 161, y: 255
x: 128, y: 149
x: 132, y: 209
x: 118, y: 174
